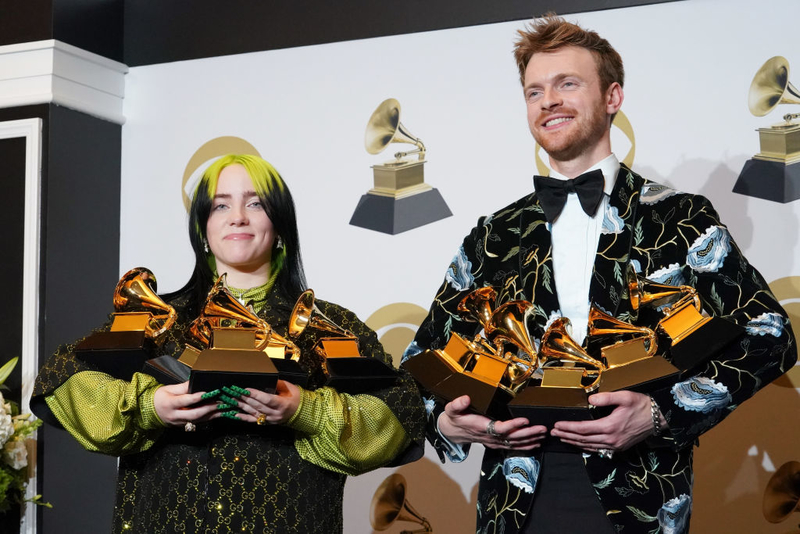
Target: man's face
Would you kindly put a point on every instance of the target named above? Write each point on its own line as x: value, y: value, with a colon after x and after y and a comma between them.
x: 568, y: 114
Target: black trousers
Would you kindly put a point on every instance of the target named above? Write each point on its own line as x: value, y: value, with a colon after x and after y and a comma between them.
x: 565, y: 501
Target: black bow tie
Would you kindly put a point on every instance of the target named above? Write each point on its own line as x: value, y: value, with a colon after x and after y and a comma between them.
x: 553, y: 193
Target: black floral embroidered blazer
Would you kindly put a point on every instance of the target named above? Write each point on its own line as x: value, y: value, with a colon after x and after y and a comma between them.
x: 669, y: 237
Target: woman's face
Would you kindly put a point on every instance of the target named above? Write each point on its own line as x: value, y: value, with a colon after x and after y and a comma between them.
x: 239, y: 233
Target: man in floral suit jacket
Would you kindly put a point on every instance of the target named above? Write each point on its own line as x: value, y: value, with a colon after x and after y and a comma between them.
x: 634, y: 465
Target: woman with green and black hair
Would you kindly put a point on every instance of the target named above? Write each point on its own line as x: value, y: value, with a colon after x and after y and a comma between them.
x: 255, y: 462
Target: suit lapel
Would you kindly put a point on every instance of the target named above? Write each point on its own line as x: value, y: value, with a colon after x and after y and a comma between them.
x: 608, y: 288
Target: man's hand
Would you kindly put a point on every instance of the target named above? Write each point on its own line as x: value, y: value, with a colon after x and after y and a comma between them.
x: 459, y: 425
x: 630, y: 423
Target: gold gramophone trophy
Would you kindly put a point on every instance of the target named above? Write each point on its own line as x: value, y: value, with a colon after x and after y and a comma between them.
x: 629, y: 355
x: 567, y: 374
x: 229, y: 345
x: 773, y: 173
x: 389, y: 504
x: 400, y: 199
x: 782, y: 494
x: 694, y: 337
x: 344, y: 366
x: 140, y: 319
x: 490, y: 376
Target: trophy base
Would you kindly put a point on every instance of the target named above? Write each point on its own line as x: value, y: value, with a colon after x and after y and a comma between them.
x: 119, y: 354
x: 701, y: 345
x: 548, y: 405
x: 770, y: 180
x: 429, y: 368
x: 395, y: 215
x: 167, y: 370
x: 291, y: 371
x: 642, y: 376
x: 485, y: 398
x: 216, y: 368
x: 359, y: 374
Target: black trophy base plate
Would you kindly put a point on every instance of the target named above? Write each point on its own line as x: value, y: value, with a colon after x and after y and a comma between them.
x: 547, y: 405
x: 119, y: 354
x: 359, y: 374
x: 708, y: 341
x: 394, y: 215
x: 211, y: 380
x: 167, y: 370
x: 643, y: 376
x: 770, y: 180
x: 291, y: 371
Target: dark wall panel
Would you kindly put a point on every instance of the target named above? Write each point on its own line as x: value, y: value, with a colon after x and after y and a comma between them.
x: 93, y: 25
x: 12, y: 243
x: 159, y: 32
x: 25, y: 20
x: 80, y: 269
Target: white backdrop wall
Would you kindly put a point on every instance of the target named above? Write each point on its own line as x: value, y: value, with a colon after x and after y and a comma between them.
x: 689, y: 66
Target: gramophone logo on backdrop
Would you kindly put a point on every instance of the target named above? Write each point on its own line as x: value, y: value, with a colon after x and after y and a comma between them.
x: 774, y: 173
x: 400, y: 199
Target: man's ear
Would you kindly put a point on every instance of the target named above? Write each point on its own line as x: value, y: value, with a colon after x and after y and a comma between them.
x: 614, y: 98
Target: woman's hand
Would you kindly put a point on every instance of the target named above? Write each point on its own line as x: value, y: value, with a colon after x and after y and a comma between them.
x: 175, y: 406
x: 262, y: 408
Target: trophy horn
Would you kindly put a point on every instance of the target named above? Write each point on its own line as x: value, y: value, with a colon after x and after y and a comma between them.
x: 509, y: 323
x: 603, y: 324
x: 558, y: 346
x: 389, y: 504
x: 644, y: 292
x: 477, y: 306
x: 306, y: 314
x: 384, y: 127
x: 771, y: 87
x: 223, y: 310
x: 135, y: 292
x: 782, y: 495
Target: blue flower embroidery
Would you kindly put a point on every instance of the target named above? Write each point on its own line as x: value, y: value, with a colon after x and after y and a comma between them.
x: 522, y: 472
x: 766, y: 323
x: 412, y: 350
x: 459, y: 275
x: 636, y: 266
x: 429, y: 405
x: 671, y: 275
x: 652, y: 193
x: 701, y: 394
x: 612, y: 222
x: 673, y: 517
x: 709, y: 250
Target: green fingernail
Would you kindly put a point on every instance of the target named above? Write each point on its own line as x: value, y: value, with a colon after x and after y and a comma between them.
x: 230, y: 415
x: 210, y: 394
x: 240, y: 390
x: 226, y: 406
x: 228, y: 399
x: 231, y: 392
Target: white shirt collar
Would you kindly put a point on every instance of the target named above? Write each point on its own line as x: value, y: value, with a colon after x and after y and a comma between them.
x: 610, y: 167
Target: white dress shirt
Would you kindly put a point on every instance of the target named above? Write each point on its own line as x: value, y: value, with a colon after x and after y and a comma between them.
x: 575, y: 238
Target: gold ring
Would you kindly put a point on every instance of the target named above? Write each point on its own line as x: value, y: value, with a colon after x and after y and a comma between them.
x: 261, y: 419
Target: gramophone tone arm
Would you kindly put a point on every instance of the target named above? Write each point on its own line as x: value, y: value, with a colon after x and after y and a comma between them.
x: 420, y: 151
x: 789, y: 117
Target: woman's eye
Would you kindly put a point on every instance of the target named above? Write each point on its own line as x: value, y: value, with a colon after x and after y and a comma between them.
x: 219, y: 207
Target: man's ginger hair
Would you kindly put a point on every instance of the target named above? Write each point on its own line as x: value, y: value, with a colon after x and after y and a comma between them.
x: 551, y: 33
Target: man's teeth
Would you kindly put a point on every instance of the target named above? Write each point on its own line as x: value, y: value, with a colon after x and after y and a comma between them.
x: 558, y: 121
